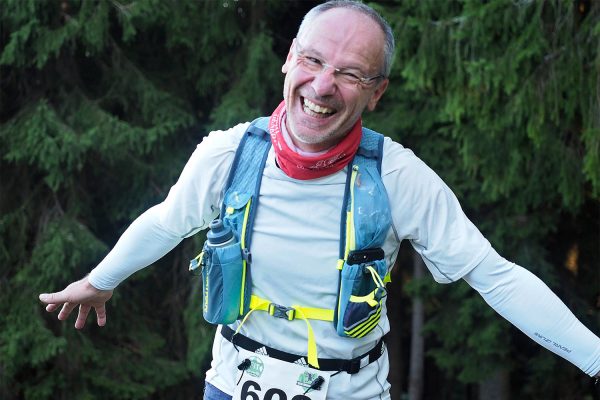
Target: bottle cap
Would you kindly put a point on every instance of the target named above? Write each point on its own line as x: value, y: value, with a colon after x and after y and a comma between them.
x: 218, y: 232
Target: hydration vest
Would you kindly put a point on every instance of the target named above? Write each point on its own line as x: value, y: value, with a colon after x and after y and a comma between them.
x: 366, y: 219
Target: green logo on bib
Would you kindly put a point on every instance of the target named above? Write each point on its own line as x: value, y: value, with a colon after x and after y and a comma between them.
x: 256, y: 367
x: 306, y: 379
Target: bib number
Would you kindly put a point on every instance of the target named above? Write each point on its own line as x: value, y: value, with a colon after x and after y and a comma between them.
x: 252, y: 391
x: 271, y: 379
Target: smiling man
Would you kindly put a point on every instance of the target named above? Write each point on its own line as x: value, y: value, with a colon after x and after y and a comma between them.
x: 316, y: 227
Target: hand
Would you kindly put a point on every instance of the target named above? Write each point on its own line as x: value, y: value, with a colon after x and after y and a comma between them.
x: 82, y: 294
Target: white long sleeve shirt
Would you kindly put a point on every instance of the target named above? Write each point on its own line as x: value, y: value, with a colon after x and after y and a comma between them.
x: 295, y: 247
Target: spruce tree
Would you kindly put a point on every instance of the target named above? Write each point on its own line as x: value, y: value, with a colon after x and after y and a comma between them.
x: 501, y: 99
x: 102, y: 103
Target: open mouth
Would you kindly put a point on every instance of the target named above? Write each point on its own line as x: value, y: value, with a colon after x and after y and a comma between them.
x: 316, y: 110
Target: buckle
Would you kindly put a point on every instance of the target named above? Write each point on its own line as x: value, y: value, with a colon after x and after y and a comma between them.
x: 247, y: 256
x: 197, y: 263
x: 281, y: 311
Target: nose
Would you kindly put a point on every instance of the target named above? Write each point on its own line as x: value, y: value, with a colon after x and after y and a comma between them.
x: 323, y: 83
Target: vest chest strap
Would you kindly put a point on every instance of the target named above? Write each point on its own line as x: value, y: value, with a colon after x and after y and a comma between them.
x: 290, y: 313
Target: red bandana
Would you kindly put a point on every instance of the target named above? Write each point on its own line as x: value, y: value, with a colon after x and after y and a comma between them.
x: 301, y: 167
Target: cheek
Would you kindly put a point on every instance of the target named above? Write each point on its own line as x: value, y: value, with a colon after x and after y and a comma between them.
x: 355, y: 104
x: 286, y: 86
x: 290, y: 84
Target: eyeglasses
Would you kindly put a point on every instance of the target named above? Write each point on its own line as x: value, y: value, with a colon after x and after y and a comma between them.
x: 344, y: 76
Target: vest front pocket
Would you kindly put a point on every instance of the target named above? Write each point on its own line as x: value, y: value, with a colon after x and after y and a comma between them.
x: 362, y: 294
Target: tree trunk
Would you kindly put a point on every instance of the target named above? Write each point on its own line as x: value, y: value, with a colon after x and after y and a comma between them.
x: 417, y: 343
x: 496, y: 387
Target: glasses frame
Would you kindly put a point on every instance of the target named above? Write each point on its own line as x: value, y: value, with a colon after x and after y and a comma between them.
x: 360, y: 80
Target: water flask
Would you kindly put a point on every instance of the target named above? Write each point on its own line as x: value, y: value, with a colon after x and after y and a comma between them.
x: 218, y: 234
x: 222, y: 274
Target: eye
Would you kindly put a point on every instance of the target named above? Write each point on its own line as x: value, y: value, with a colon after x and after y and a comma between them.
x: 312, y: 61
x: 349, y: 76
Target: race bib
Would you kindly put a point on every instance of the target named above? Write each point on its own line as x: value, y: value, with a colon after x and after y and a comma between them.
x: 268, y: 378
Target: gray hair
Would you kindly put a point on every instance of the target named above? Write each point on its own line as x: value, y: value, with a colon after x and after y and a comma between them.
x: 388, y: 48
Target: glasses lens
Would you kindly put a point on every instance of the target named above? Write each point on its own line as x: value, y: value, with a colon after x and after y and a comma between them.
x: 314, y: 65
x: 348, y: 78
x: 310, y: 64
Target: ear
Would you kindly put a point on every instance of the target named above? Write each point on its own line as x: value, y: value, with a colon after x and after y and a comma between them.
x: 379, y: 90
x: 286, y: 67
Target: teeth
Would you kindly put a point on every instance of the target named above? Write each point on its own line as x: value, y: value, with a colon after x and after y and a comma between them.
x: 318, y: 109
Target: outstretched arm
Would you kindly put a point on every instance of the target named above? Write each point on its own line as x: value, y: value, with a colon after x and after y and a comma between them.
x: 525, y: 301
x: 189, y: 207
x: 141, y: 244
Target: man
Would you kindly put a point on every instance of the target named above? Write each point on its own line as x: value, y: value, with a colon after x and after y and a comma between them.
x: 336, y: 68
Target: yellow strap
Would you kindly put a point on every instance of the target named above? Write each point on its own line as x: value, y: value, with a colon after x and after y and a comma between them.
x: 245, y: 223
x: 312, y: 344
x: 244, y: 263
x: 300, y: 312
x: 322, y: 314
x: 387, y: 278
x: 349, y: 223
x: 350, y: 234
x: 198, y: 261
x: 256, y: 303
x: 369, y: 299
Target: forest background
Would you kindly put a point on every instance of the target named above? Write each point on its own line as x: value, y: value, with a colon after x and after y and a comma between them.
x: 102, y: 102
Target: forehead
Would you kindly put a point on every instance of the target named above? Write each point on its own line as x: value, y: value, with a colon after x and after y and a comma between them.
x: 346, y: 38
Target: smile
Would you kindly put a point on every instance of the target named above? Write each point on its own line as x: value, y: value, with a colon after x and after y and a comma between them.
x: 312, y: 108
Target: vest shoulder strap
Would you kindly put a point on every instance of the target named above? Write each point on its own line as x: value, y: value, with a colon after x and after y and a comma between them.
x: 370, y: 150
x: 246, y: 171
x: 368, y: 155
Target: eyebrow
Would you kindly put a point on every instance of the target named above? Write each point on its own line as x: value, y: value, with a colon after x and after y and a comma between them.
x: 320, y: 55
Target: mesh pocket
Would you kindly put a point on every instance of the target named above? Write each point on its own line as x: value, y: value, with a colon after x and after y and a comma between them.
x: 362, y: 294
x: 221, y: 283
x: 372, y: 218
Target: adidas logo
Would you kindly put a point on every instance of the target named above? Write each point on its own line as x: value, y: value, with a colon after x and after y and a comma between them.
x: 262, y: 351
x: 301, y: 361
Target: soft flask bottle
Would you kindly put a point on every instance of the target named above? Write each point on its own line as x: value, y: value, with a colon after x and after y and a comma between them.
x: 218, y: 234
x: 222, y: 275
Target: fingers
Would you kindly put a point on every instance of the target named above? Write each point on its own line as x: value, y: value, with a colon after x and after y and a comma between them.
x: 101, y: 315
x: 66, y: 310
x: 84, y: 310
x: 52, y: 307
